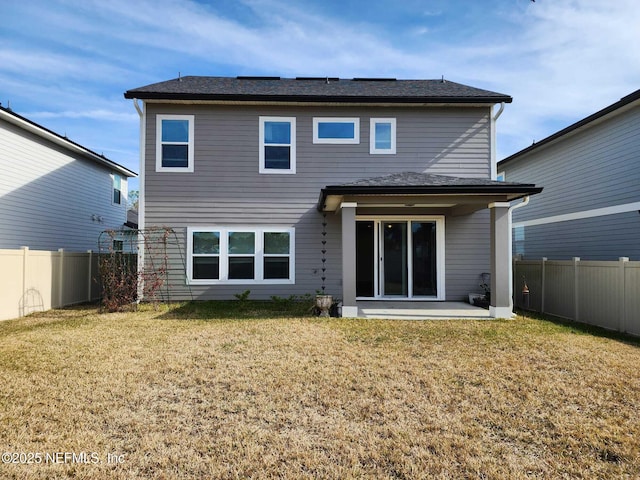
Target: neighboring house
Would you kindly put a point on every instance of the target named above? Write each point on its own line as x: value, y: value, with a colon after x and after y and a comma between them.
x: 371, y: 188
x: 55, y: 193
x: 591, y: 201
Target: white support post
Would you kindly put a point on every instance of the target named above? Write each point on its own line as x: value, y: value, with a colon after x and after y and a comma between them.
x: 501, y: 297
x: 348, y: 214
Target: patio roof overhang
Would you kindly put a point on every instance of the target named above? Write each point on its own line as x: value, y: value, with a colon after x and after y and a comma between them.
x: 454, y: 195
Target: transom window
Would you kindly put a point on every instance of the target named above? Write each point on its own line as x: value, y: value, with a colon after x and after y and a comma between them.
x: 382, y: 136
x: 174, y: 143
x: 277, y: 145
x: 240, y: 255
x: 336, y: 130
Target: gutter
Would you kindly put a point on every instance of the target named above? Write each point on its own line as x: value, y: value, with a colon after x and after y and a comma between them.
x: 141, y: 201
x: 314, y: 98
x: 494, y: 142
x: 523, y: 203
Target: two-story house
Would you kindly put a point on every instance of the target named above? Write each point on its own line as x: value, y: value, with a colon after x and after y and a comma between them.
x: 591, y: 174
x: 55, y: 193
x: 375, y: 189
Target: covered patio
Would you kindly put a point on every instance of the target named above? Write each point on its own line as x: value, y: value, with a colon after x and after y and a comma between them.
x: 396, y: 258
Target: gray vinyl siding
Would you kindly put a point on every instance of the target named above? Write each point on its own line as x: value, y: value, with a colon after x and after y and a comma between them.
x: 468, y: 243
x: 226, y: 189
x: 48, y: 195
x: 595, y: 168
x: 597, y: 238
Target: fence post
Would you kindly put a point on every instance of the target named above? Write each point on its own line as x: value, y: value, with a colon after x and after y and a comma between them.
x: 25, y: 257
x: 623, y: 301
x: 60, y: 276
x: 543, y: 269
x: 576, y: 310
x: 89, y: 252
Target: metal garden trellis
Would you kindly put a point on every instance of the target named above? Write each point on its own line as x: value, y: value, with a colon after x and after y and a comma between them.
x: 150, y: 279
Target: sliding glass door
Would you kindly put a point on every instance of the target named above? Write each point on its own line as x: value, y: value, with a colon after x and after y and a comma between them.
x: 399, y: 258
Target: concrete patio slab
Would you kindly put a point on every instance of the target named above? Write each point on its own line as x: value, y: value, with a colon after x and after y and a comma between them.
x: 394, y: 310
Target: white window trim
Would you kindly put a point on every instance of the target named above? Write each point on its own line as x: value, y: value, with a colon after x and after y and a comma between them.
x: 372, y: 136
x: 159, y: 143
x: 258, y: 255
x: 292, y: 160
x: 503, y: 175
x: 337, y: 141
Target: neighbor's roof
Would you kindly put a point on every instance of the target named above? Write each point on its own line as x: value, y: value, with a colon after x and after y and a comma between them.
x: 26, y: 124
x: 584, y: 123
x: 414, y: 183
x: 315, y: 89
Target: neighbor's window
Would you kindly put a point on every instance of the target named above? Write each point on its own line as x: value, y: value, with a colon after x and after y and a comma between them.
x: 240, y: 255
x: 117, y: 189
x: 336, y: 130
x: 501, y: 177
x: 277, y: 145
x: 174, y: 143
x: 519, y: 240
x: 382, y: 136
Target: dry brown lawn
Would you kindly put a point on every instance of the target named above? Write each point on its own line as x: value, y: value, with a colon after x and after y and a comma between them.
x: 173, y: 395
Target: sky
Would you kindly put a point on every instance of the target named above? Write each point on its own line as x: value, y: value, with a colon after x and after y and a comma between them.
x: 65, y: 64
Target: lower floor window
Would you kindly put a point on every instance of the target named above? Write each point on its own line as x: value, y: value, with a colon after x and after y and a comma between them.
x: 240, y: 255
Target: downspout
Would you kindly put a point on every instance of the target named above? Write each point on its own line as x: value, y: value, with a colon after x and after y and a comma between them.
x: 141, y: 177
x: 494, y: 163
x: 523, y: 203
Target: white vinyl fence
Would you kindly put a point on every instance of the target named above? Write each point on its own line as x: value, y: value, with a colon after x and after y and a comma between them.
x: 37, y: 280
x: 605, y: 294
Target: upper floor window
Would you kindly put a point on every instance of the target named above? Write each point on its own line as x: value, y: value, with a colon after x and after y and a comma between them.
x: 174, y: 143
x: 501, y: 177
x: 336, y: 130
x: 277, y: 145
x: 382, y: 136
x: 117, y: 189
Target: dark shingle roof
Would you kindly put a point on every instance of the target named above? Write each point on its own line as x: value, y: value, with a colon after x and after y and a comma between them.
x: 414, y: 179
x: 275, y: 89
x: 413, y: 183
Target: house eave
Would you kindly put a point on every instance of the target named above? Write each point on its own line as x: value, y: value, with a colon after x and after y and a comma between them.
x: 152, y: 97
x: 471, y: 197
x: 617, y: 108
x: 45, y: 133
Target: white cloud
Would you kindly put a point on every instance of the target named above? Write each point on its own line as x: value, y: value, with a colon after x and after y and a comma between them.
x: 560, y: 59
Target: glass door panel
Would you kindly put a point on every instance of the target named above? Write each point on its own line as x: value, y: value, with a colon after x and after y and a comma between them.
x: 395, y: 259
x: 365, y: 258
x: 424, y: 259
